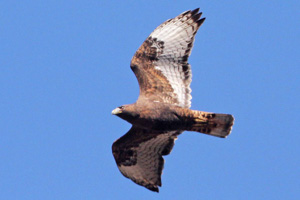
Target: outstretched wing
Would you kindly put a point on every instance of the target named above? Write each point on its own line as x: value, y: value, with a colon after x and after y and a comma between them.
x: 160, y: 64
x: 139, y: 152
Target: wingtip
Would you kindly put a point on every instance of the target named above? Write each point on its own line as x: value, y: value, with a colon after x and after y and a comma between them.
x: 193, y: 12
x: 200, y: 21
x: 197, y: 16
x: 153, y: 188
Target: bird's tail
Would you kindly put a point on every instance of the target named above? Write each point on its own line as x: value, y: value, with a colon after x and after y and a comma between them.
x: 219, y: 125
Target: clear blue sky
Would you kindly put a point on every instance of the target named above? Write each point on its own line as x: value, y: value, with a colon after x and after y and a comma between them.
x: 64, y: 65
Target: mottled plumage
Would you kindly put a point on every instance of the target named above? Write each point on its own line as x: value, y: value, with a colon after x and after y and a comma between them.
x: 162, y: 112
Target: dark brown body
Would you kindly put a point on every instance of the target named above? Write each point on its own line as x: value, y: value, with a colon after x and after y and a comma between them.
x: 165, y: 117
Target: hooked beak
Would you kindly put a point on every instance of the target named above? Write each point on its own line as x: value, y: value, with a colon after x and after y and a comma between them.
x: 116, y: 111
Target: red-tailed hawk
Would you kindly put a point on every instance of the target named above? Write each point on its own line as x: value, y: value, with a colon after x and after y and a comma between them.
x: 162, y: 112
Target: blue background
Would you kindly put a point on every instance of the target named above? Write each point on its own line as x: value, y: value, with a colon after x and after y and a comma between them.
x: 64, y: 65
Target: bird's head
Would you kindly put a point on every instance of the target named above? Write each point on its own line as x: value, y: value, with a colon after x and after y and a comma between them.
x: 119, y: 110
x: 126, y: 112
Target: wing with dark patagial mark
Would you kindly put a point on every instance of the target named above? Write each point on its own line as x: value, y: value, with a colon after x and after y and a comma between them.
x: 139, y: 152
x: 161, y: 63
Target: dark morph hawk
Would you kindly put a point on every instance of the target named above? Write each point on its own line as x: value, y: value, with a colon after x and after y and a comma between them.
x: 162, y: 112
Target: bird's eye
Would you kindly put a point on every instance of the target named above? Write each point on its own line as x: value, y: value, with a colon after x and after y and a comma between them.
x: 121, y: 107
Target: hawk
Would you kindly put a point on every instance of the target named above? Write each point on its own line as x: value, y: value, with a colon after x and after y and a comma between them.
x: 162, y: 112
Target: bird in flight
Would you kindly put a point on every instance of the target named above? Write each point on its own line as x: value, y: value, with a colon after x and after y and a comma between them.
x: 162, y: 112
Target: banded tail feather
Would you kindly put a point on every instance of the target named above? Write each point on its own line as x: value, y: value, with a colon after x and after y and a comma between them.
x: 214, y: 124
